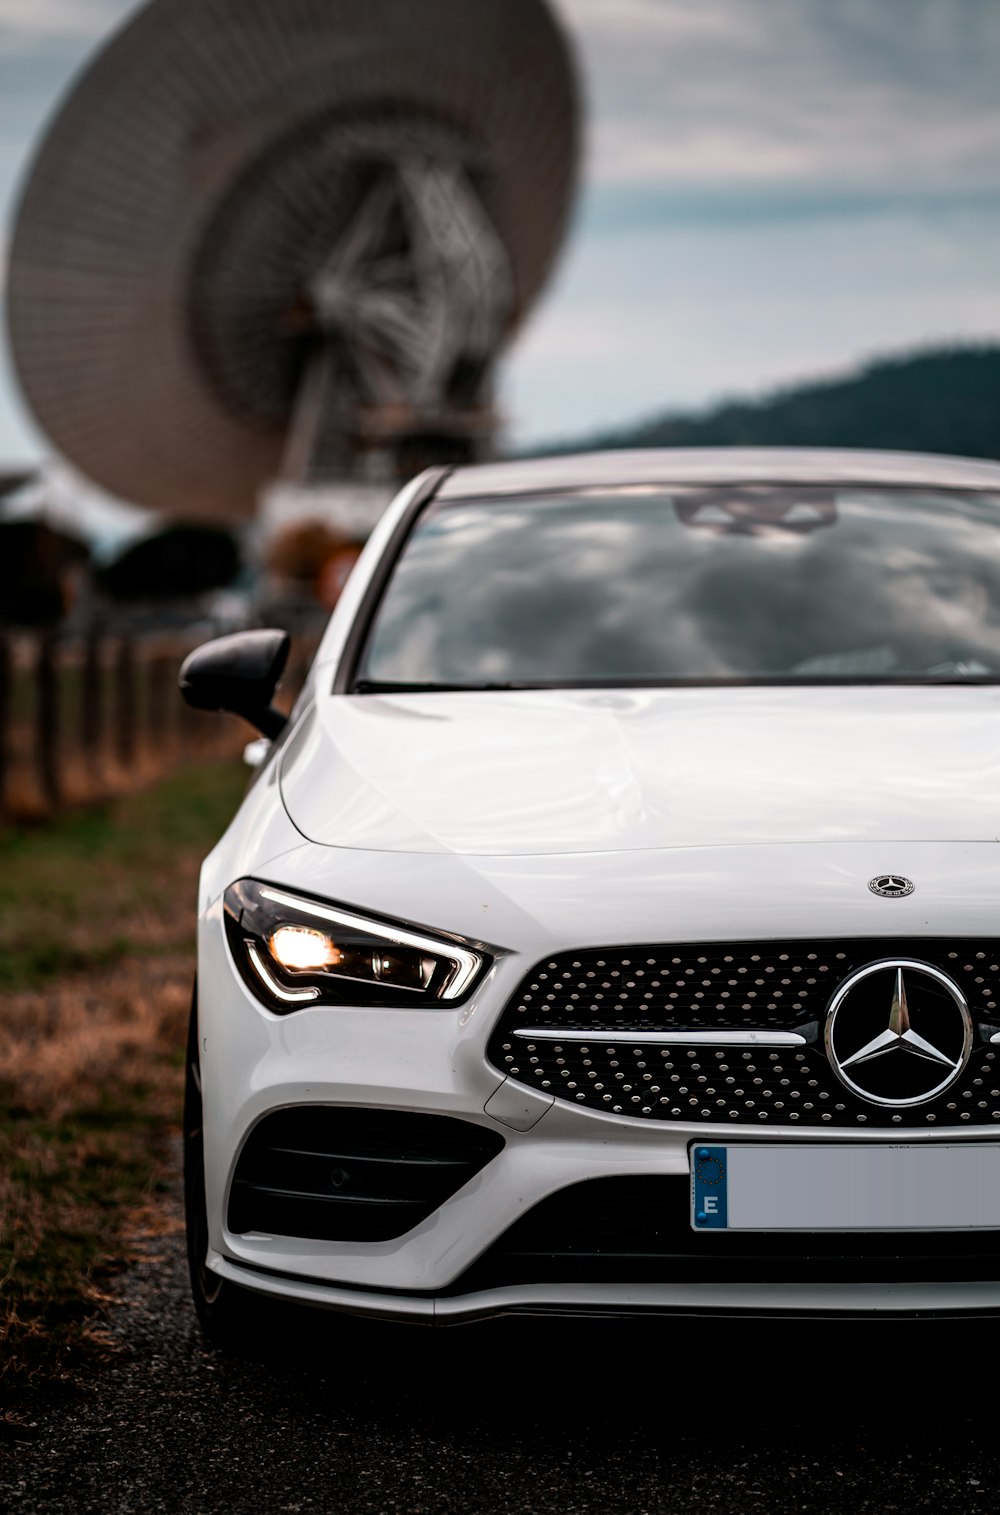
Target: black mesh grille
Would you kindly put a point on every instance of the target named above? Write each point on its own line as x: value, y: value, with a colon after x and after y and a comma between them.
x: 637, y: 1230
x: 780, y: 986
x: 352, y: 1175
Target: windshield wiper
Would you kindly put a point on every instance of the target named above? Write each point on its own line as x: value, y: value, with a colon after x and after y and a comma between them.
x: 767, y: 681
x: 953, y: 672
x: 378, y: 686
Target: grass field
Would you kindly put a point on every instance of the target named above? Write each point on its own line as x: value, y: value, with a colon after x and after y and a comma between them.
x: 96, y: 960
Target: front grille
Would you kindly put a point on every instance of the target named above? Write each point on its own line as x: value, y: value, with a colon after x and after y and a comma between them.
x: 637, y: 1230
x: 611, y: 993
x: 352, y: 1175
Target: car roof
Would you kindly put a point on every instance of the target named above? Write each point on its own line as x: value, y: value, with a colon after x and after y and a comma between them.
x: 719, y: 465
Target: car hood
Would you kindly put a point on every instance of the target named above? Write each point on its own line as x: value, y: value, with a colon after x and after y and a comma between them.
x: 542, y: 772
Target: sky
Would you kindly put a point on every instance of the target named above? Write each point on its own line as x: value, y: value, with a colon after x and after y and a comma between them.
x: 772, y: 189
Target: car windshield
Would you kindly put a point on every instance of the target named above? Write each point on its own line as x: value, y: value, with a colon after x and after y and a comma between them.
x: 747, y: 584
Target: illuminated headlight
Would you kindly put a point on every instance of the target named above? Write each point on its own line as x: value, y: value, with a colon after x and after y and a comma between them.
x: 292, y: 951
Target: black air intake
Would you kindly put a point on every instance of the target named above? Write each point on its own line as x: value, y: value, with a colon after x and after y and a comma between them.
x: 352, y: 1175
x: 637, y: 1229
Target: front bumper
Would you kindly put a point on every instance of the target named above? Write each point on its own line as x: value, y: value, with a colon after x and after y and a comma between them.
x: 434, y: 1062
x: 763, y: 1301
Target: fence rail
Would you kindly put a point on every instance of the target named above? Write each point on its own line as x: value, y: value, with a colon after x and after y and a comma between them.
x: 83, y: 719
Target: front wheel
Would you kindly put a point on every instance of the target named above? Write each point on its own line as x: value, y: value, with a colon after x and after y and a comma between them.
x: 223, y: 1309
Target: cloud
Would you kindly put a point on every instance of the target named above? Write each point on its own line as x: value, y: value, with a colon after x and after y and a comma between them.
x: 651, y: 21
x: 27, y: 21
x: 790, y: 92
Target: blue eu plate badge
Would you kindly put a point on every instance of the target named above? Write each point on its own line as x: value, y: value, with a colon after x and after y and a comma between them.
x: 708, y: 1188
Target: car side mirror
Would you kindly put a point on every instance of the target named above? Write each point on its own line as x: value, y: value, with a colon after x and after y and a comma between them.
x: 239, y: 674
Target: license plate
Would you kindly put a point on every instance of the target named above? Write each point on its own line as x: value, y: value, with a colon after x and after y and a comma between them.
x: 846, y: 1187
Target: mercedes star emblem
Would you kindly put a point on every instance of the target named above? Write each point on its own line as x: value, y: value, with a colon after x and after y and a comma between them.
x: 898, y: 1032
x: 891, y: 886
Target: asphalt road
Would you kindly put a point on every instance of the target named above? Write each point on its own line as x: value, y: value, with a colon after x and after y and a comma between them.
x: 516, y: 1416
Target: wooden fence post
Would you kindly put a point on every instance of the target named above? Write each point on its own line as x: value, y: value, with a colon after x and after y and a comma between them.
x: 47, y: 721
x: 125, y: 703
x: 162, y: 699
x: 92, y: 706
x: 6, y: 716
x: 199, y: 730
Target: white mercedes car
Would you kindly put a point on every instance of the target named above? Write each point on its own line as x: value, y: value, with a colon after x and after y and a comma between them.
x: 614, y: 926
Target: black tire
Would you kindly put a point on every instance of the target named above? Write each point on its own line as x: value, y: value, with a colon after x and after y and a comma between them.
x: 224, y: 1310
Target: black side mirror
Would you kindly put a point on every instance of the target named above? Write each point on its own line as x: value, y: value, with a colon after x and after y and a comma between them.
x: 240, y: 674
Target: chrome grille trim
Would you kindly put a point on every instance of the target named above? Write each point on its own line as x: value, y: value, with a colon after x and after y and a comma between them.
x: 734, y: 1038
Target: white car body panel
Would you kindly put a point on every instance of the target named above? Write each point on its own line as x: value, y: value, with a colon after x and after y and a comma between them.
x: 571, y: 771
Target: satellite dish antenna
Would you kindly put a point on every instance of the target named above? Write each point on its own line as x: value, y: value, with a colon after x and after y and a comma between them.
x: 290, y: 239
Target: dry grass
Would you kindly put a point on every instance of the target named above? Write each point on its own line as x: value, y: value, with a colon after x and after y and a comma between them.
x: 90, y: 1083
x: 63, y: 1048
x: 97, y: 929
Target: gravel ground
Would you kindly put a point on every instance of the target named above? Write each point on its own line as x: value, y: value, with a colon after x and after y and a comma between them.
x: 515, y: 1416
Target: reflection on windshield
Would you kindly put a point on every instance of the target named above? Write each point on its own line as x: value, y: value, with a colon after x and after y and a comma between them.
x: 694, y: 585
x: 755, y: 509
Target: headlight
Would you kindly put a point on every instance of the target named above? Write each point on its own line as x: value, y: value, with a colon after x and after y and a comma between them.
x: 292, y: 951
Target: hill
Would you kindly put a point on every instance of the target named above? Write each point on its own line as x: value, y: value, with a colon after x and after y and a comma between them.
x: 941, y: 400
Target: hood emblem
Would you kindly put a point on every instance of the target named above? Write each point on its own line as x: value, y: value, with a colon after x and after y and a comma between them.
x: 898, y: 1033
x: 891, y: 886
